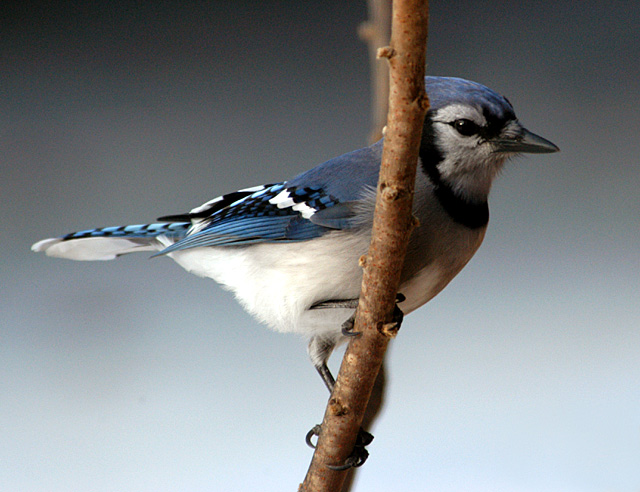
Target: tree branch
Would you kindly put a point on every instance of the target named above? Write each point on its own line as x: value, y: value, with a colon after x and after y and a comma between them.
x: 383, y: 263
x: 376, y: 32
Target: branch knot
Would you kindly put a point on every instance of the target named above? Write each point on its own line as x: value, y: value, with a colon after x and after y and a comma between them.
x: 389, y: 193
x: 386, y: 52
x: 337, y: 408
x: 389, y: 330
x: 423, y: 101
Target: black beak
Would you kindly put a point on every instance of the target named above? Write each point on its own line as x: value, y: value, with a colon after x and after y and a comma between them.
x: 524, y: 141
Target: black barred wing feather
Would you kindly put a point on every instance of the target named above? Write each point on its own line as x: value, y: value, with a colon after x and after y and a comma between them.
x: 272, y: 213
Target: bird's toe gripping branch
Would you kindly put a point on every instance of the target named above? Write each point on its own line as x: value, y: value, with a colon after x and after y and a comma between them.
x: 390, y: 329
x: 357, y: 457
x: 359, y: 454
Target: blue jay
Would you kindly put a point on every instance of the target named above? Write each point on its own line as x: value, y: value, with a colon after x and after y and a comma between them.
x: 289, y: 251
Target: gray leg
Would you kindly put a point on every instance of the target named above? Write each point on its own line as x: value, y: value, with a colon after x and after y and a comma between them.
x: 347, y: 326
x: 326, y: 376
x: 320, y: 349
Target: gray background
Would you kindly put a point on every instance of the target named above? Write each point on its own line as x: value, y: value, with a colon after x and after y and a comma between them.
x: 524, y: 375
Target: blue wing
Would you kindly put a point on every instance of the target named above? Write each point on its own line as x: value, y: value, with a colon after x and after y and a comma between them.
x: 310, y: 205
x: 325, y: 198
x: 271, y: 213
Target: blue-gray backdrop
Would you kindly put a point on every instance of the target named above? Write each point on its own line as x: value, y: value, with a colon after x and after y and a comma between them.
x: 524, y: 375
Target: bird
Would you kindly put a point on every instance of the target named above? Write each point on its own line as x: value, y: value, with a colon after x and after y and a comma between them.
x: 289, y: 251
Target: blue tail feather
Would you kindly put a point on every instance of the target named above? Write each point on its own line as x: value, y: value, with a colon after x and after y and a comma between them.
x: 171, y: 229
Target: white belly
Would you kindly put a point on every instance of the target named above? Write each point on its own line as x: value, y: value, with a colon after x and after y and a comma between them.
x: 278, y: 282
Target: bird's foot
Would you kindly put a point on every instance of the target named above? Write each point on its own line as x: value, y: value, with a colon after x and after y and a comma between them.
x: 359, y: 454
x: 394, y: 326
x: 391, y: 329
x: 347, y: 327
x: 315, y: 431
x: 357, y: 457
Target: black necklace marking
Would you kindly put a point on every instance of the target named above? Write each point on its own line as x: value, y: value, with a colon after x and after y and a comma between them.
x: 462, y: 210
x: 470, y: 214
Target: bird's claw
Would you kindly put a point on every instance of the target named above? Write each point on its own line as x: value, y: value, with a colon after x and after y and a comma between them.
x: 391, y: 329
x: 398, y: 316
x: 353, y: 461
x: 359, y: 454
x: 315, y: 431
x: 357, y: 457
x: 347, y: 327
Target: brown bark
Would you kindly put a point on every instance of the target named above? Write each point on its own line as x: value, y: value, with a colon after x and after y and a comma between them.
x: 376, y: 32
x: 382, y: 265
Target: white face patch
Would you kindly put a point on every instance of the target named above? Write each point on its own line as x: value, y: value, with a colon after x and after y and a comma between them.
x: 453, y: 112
x: 284, y: 200
x: 469, y: 164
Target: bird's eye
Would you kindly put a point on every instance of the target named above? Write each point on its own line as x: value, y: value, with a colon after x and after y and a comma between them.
x: 466, y: 127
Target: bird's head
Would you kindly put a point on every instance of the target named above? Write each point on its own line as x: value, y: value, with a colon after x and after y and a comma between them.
x: 469, y: 132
